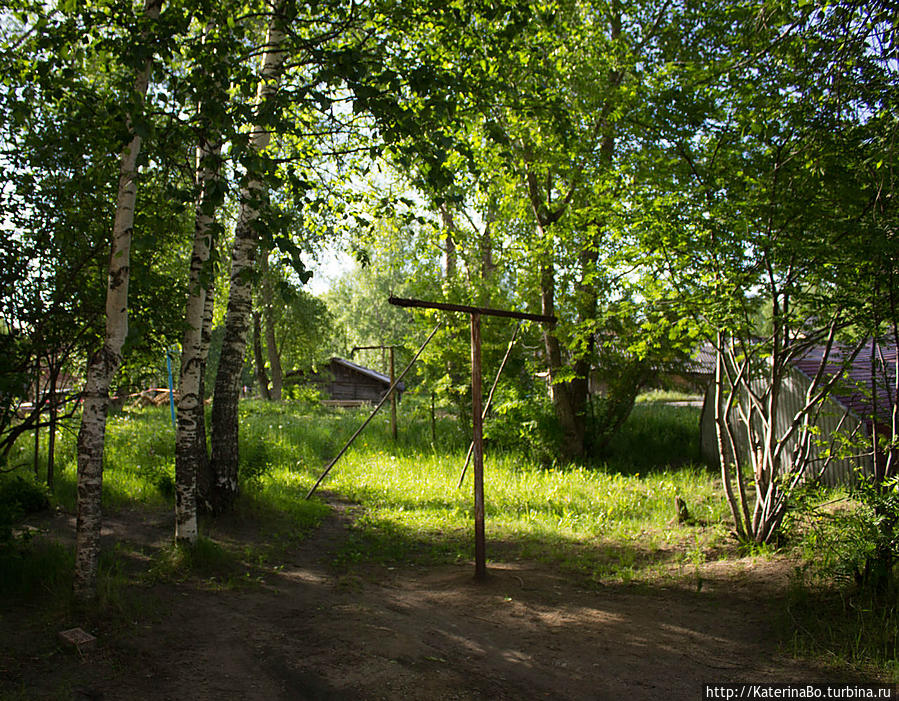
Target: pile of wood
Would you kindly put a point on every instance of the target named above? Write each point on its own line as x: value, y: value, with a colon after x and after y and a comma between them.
x: 155, y: 396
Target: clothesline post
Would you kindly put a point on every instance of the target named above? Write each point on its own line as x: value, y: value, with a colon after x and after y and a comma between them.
x: 477, y: 420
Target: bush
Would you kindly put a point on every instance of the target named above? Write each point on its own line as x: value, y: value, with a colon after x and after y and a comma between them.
x: 27, y: 495
x: 19, y: 497
x: 525, y: 424
x: 861, y: 543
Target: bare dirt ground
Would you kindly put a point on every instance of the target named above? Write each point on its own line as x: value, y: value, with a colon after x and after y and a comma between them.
x: 309, y: 630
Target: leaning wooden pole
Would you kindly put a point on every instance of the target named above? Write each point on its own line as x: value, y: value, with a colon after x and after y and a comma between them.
x: 477, y: 421
x: 375, y: 411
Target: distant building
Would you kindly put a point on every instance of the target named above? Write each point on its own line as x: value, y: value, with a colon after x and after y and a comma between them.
x: 345, y: 383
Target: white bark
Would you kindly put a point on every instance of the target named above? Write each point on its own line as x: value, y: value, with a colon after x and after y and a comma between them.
x: 271, y: 344
x: 240, y: 303
x: 193, y: 356
x: 105, y: 362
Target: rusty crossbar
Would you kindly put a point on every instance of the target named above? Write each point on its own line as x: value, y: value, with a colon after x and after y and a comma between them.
x: 483, y: 311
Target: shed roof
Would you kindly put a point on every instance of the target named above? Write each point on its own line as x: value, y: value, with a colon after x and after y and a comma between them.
x: 854, y: 391
x: 702, y: 360
x: 367, y: 372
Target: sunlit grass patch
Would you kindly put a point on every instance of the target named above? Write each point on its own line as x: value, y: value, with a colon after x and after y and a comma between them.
x: 138, y: 459
x: 575, y: 516
x: 617, y: 517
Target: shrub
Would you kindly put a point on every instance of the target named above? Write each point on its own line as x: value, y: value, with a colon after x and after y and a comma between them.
x: 19, y: 497
x: 525, y: 424
x: 860, y: 543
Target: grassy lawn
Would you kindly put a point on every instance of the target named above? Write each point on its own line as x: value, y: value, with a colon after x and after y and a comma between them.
x: 609, y: 523
x: 612, y: 520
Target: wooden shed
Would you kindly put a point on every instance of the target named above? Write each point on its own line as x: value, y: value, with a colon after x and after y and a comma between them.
x: 347, y: 384
x: 850, y: 408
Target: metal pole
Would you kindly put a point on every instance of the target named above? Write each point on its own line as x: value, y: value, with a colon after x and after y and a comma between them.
x: 392, y: 397
x: 480, y: 549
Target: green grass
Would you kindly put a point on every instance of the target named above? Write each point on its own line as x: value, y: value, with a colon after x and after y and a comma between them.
x: 666, y: 395
x: 616, y: 520
x: 844, y: 627
x: 608, y: 523
x: 35, y: 569
x: 588, y: 521
x: 656, y: 435
x: 139, y: 462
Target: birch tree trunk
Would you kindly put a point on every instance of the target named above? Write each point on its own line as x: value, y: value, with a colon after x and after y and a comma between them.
x: 205, y: 478
x: 105, y: 362
x: 259, y: 359
x: 190, y: 438
x: 240, y: 301
x: 274, y: 357
x: 271, y: 345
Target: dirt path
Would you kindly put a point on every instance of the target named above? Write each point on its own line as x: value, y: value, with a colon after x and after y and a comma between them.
x: 312, y: 632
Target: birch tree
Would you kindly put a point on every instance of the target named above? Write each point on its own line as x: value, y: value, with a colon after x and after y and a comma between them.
x: 243, y: 256
x: 105, y: 361
x: 191, y: 459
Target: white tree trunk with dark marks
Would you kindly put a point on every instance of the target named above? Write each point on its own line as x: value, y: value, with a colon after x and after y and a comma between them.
x: 204, y: 473
x: 190, y: 452
x: 240, y: 298
x: 105, y: 362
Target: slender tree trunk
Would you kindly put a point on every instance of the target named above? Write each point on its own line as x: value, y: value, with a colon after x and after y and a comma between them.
x: 449, y: 228
x: 190, y: 440
x: 488, y: 267
x: 240, y: 301
x: 259, y: 359
x: 271, y: 346
x: 105, y: 362
x: 205, y: 477
x: 726, y: 451
x: 563, y: 404
x: 51, y: 438
x: 274, y: 359
x: 38, y: 404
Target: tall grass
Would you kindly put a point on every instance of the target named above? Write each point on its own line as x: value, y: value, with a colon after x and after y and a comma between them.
x: 656, y: 434
x: 138, y: 459
x: 605, y: 521
x: 844, y: 626
x: 617, y: 519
